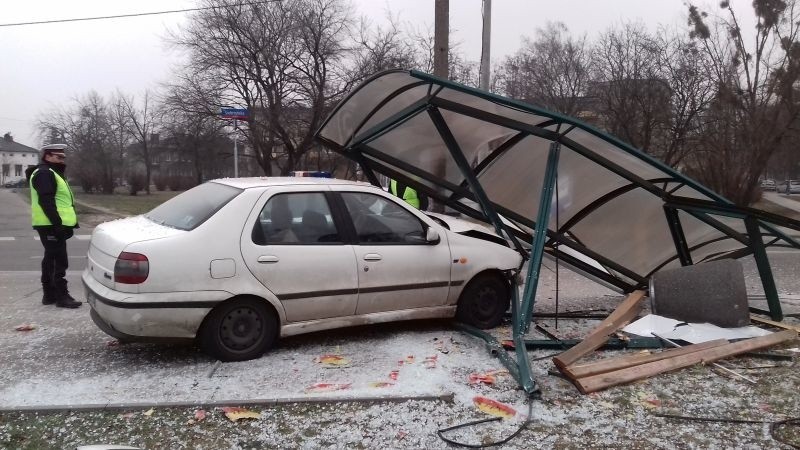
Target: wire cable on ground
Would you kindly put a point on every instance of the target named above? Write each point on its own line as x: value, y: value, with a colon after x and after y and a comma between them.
x: 524, y: 424
x: 774, y: 426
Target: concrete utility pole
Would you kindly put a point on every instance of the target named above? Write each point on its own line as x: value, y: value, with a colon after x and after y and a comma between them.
x: 441, y: 38
x: 486, y: 44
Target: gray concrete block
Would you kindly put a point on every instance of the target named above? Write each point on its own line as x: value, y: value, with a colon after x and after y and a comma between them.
x: 711, y: 292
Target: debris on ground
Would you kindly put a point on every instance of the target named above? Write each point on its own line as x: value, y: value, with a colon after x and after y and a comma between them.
x: 493, y: 407
x: 327, y: 387
x: 332, y: 361
x: 604, y: 373
x: 235, y: 413
x: 25, y: 327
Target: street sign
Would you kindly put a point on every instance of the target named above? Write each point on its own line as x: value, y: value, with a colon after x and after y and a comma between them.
x: 234, y: 113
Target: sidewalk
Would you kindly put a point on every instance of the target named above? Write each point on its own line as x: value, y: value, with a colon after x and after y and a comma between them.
x: 787, y: 201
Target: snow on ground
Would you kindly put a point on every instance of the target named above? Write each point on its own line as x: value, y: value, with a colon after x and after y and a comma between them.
x: 67, y: 361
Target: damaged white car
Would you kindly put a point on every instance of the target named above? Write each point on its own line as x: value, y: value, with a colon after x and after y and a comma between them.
x: 237, y: 263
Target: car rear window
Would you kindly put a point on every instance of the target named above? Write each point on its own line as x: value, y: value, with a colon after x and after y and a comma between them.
x: 193, y: 207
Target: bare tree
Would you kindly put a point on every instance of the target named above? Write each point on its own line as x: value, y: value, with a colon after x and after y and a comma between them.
x: 754, y: 105
x: 551, y: 70
x: 85, y: 126
x: 684, y: 67
x: 633, y: 98
x: 141, y: 123
x: 284, y: 61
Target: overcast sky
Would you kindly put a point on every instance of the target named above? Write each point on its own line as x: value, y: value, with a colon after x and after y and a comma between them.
x: 44, y: 66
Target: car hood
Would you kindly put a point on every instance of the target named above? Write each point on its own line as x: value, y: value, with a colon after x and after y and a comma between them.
x: 460, y: 225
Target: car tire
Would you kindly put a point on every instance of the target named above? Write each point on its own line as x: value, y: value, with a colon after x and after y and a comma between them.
x: 484, y: 301
x: 239, y: 329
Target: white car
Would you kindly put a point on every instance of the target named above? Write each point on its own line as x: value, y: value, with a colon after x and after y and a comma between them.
x: 237, y: 263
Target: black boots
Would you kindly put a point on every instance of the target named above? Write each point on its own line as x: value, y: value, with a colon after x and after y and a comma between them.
x: 66, y: 301
x: 61, y: 299
x: 49, y: 297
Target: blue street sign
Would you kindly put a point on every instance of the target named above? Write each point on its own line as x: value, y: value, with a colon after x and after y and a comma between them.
x: 234, y: 113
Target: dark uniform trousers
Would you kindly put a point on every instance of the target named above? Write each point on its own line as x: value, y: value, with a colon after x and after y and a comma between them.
x: 55, y: 262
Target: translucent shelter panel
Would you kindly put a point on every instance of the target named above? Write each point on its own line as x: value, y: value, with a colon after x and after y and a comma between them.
x: 715, y: 250
x: 515, y: 179
x: 690, y: 192
x: 476, y: 138
x: 377, y: 163
x: 487, y: 106
x: 417, y: 142
x: 630, y: 230
x: 696, y: 231
x: 353, y: 111
x: 792, y: 234
x: 616, y: 155
x: 399, y: 101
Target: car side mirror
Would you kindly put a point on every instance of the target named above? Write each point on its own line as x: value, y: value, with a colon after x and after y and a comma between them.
x: 432, y: 236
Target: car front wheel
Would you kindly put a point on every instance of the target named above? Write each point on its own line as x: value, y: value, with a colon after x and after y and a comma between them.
x: 239, y: 330
x: 483, y: 302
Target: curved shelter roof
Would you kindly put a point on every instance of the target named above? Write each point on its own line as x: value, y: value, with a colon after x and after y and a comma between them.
x: 617, y: 214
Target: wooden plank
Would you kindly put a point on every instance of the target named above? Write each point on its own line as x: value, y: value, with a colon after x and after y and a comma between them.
x: 785, y: 326
x: 605, y: 380
x: 626, y: 311
x: 622, y: 362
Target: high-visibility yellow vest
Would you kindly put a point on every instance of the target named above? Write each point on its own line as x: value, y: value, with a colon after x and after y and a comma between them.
x: 64, y: 203
x: 409, y: 195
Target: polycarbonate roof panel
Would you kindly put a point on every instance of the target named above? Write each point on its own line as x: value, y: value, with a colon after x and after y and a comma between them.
x: 609, y: 199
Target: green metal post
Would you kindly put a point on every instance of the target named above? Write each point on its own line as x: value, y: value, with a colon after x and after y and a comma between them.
x: 764, y: 271
x: 537, y: 250
x: 525, y: 378
x: 466, y: 170
x: 678, y: 237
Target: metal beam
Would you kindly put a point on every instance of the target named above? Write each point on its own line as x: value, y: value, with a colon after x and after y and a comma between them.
x: 542, y: 220
x: 762, y: 262
x: 678, y: 237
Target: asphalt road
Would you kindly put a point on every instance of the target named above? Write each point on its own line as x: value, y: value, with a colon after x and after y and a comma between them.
x: 20, y: 249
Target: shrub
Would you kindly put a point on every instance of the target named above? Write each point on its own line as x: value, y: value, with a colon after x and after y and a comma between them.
x: 136, y: 182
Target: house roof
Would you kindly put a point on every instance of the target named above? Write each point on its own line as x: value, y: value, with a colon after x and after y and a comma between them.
x: 12, y: 146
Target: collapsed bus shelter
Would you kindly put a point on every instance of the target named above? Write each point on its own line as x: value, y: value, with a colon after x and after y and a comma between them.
x: 611, y: 212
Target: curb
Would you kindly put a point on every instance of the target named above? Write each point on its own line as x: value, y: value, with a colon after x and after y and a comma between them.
x: 447, y: 397
x: 99, y: 208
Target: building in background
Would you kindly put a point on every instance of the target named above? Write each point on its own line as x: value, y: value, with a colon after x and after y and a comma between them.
x: 14, y: 159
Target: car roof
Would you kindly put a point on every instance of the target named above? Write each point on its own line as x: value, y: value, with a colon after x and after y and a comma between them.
x: 255, y: 182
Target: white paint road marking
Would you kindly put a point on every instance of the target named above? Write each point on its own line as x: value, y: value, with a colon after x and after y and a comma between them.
x: 80, y: 237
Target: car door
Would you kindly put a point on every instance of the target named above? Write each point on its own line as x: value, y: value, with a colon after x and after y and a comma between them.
x: 296, y: 250
x: 397, y: 269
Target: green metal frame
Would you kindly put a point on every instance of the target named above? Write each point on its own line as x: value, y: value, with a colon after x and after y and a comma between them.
x: 357, y: 146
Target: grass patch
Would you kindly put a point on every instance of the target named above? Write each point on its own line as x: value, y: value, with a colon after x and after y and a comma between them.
x: 129, y: 205
x: 122, y: 203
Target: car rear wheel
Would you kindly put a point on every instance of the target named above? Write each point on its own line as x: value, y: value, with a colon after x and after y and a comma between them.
x: 483, y: 302
x: 239, y: 330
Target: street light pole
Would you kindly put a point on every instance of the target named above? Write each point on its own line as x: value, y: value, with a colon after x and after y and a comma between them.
x: 486, y: 44
x: 235, y: 151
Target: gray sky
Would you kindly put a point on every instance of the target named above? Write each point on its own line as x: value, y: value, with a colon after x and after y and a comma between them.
x: 47, y: 65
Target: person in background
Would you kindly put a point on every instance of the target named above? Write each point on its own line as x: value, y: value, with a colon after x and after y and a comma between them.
x: 53, y: 217
x: 409, y: 195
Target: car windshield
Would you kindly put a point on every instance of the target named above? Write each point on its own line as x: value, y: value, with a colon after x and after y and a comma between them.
x: 193, y: 207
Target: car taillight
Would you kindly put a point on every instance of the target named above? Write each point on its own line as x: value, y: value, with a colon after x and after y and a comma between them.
x: 131, y: 268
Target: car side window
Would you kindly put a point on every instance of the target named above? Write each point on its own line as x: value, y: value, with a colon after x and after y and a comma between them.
x: 377, y: 219
x: 295, y: 218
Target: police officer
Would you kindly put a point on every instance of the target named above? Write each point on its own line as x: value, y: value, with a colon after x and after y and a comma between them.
x: 411, y: 196
x: 53, y: 217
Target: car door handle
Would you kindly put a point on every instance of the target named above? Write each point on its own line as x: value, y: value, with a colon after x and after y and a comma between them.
x: 372, y: 257
x: 267, y: 259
